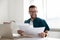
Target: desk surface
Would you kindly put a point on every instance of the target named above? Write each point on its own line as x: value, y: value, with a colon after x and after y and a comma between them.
x: 33, y: 39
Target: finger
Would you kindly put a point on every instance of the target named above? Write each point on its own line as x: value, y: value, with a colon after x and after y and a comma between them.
x: 41, y: 35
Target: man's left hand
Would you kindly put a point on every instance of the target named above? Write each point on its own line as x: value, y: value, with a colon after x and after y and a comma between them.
x: 42, y: 35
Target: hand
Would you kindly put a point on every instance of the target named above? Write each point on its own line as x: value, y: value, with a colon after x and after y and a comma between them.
x: 42, y: 35
x: 21, y: 32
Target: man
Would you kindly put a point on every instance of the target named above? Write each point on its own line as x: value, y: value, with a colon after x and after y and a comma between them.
x: 36, y: 22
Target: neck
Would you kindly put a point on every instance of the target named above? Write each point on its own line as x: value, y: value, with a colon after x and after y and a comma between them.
x: 32, y: 18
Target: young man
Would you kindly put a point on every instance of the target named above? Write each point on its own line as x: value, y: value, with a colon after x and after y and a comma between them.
x: 36, y: 22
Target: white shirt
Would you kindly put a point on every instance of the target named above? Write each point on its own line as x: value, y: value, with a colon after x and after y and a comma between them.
x: 31, y: 22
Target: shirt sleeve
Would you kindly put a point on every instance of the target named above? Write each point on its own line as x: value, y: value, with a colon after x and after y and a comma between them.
x: 46, y: 25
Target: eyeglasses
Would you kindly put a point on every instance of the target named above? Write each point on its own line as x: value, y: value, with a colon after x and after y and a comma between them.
x: 32, y: 11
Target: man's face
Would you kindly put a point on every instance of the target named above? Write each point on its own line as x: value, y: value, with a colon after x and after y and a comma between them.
x: 32, y: 12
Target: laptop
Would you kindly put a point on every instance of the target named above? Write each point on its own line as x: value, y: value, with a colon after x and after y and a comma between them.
x: 5, y: 31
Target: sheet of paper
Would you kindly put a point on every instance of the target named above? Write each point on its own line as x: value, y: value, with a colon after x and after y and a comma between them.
x: 28, y: 29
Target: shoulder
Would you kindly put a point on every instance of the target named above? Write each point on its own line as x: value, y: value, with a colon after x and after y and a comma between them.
x: 40, y: 19
x: 27, y: 21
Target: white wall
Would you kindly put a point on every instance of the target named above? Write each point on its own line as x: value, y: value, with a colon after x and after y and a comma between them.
x: 3, y: 10
x: 11, y: 10
x: 16, y: 10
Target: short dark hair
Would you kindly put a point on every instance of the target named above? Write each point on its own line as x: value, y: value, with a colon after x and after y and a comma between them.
x: 32, y: 6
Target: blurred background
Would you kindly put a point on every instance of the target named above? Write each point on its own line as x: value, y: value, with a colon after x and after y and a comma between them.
x: 17, y: 10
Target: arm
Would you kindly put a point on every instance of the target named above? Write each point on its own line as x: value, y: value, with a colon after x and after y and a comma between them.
x: 45, y: 33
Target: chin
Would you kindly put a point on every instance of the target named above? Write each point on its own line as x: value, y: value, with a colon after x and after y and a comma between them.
x: 33, y: 17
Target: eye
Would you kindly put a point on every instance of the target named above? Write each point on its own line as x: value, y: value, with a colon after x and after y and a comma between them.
x: 32, y: 11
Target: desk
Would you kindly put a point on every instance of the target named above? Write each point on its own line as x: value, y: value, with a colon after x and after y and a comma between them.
x: 33, y: 39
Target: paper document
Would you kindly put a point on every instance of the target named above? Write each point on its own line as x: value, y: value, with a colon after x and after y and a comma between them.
x: 28, y: 29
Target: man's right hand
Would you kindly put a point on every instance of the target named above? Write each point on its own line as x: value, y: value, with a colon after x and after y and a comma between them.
x: 21, y: 32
